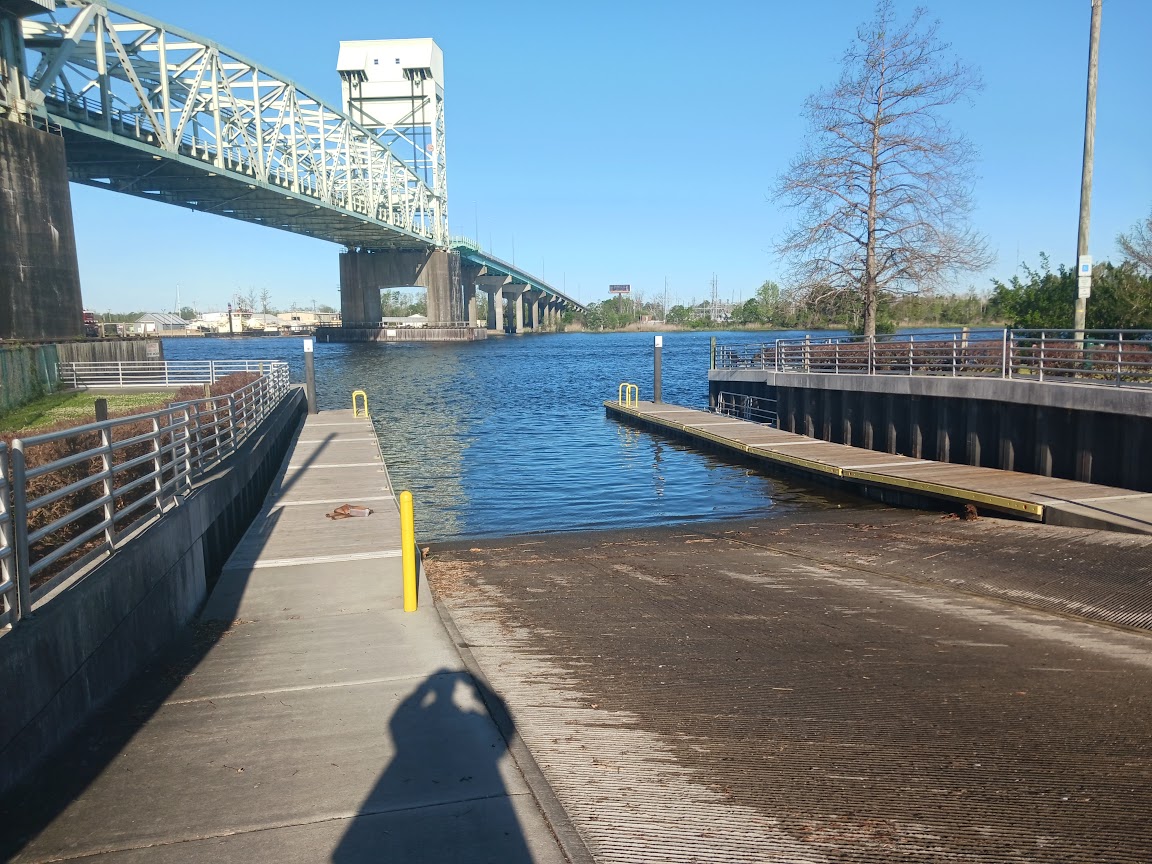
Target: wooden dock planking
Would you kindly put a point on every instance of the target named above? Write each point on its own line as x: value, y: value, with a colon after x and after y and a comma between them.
x: 1029, y: 496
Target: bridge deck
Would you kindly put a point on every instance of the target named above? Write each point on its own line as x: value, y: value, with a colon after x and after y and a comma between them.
x: 313, y: 720
x: 1028, y: 496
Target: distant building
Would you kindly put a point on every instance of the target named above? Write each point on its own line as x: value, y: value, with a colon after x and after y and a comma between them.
x: 260, y: 321
x: 159, y: 322
x: 217, y: 322
x: 406, y: 321
x: 305, y: 320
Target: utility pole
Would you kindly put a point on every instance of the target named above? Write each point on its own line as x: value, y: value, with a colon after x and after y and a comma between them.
x: 1083, y: 260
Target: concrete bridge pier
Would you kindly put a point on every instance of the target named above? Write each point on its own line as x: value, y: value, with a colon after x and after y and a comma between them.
x: 515, y: 293
x: 494, y: 286
x: 39, y: 273
x: 365, y: 273
x: 469, y: 274
x: 534, y: 300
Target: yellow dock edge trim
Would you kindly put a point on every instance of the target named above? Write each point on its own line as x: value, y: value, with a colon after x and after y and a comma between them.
x: 1000, y: 502
x: 800, y: 462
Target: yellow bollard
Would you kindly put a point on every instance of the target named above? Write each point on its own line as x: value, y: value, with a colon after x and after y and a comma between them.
x: 355, y: 403
x: 408, y: 550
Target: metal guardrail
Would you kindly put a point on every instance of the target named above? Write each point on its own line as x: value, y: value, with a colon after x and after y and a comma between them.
x: 124, y: 470
x: 744, y: 407
x: 160, y: 373
x: 9, y: 585
x: 1113, y: 357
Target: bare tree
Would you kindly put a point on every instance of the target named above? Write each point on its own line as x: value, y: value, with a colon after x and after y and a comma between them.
x: 1137, y: 245
x: 883, y: 183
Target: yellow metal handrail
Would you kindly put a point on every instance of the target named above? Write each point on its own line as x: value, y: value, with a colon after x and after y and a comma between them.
x: 628, y: 395
x: 355, y: 407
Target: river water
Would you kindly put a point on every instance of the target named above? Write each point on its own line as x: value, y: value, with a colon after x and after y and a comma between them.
x: 509, y: 435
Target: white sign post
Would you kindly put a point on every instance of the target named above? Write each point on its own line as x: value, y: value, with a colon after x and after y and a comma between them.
x: 1084, y: 277
x: 310, y: 377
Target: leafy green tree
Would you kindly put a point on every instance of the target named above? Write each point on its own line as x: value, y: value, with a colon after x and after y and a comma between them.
x: 593, y: 318
x: 748, y: 312
x: 678, y: 315
x: 1121, y: 298
x: 1042, y: 299
x: 188, y: 313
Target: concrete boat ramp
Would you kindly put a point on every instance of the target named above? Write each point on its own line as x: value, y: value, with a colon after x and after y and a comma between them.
x: 865, y: 686
x: 310, y: 719
x: 896, y: 478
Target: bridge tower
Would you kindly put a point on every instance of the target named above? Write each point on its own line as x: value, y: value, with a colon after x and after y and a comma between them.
x: 394, y: 88
x: 39, y: 272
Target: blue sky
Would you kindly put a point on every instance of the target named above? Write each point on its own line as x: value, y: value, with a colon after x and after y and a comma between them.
x: 629, y: 142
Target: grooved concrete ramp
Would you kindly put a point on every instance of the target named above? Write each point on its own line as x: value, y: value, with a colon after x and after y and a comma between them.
x: 311, y: 719
x: 848, y: 686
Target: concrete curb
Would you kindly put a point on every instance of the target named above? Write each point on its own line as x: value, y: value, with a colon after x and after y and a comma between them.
x: 569, y: 839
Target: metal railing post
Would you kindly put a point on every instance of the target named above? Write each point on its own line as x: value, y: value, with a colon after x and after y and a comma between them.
x: 109, y: 485
x: 230, y: 401
x: 911, y: 340
x: 807, y: 352
x: 1005, y: 371
x: 870, y: 342
x: 1042, y: 355
x: 20, y: 533
x: 1119, y: 356
x: 157, y: 463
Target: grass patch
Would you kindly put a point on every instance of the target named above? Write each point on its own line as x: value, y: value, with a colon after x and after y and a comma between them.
x: 74, y: 408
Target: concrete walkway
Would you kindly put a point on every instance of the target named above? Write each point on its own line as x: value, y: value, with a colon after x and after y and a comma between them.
x: 313, y: 721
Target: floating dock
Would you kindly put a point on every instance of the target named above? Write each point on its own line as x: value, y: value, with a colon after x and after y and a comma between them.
x: 903, y: 479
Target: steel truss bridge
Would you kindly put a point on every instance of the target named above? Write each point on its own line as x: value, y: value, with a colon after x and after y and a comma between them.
x: 151, y: 110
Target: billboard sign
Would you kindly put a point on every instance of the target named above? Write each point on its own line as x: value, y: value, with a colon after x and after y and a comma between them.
x: 619, y: 289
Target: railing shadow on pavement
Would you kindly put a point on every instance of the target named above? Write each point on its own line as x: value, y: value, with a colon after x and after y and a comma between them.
x: 30, y: 807
x: 442, y: 793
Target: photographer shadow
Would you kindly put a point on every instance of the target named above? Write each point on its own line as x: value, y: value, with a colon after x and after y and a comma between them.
x: 449, y: 794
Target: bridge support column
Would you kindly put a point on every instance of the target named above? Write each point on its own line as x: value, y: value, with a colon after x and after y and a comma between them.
x: 468, y: 275
x: 494, y: 285
x: 473, y: 306
x: 39, y: 273
x: 364, y: 274
x: 496, y: 309
x: 516, y: 308
x: 534, y: 300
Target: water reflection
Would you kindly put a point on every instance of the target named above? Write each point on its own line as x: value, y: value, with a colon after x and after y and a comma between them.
x: 509, y: 435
